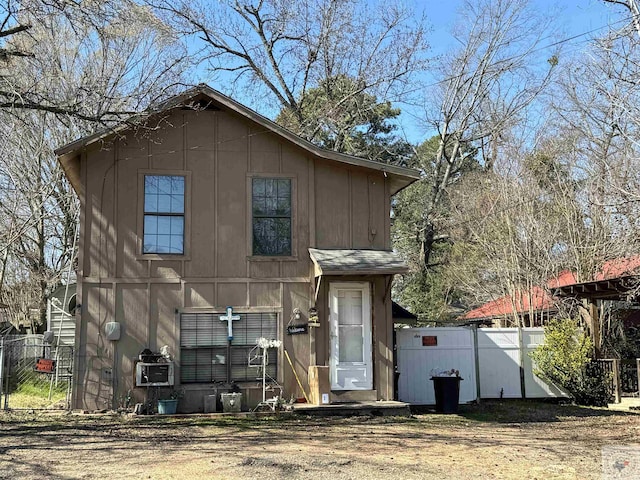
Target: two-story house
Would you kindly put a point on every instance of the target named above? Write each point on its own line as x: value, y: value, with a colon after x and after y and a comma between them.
x: 203, y: 205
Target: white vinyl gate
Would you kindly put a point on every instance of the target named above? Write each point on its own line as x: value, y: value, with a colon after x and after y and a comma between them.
x: 454, y: 350
x: 421, y: 350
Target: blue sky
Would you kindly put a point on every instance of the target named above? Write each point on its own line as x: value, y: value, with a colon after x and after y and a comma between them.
x: 577, y: 15
x: 581, y: 19
x: 573, y: 18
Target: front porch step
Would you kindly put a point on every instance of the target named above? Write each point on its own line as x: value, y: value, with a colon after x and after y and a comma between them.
x: 353, y: 396
x: 376, y: 408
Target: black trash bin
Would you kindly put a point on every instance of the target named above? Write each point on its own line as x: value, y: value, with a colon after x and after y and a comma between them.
x: 447, y: 393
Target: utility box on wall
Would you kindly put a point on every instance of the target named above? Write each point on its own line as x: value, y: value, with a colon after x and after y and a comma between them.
x: 319, y: 386
x: 113, y: 331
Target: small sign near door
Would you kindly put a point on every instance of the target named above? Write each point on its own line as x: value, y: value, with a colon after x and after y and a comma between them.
x: 429, y: 341
x: 300, y: 329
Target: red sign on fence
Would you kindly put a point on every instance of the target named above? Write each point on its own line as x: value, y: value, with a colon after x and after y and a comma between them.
x: 45, y: 365
x: 429, y: 341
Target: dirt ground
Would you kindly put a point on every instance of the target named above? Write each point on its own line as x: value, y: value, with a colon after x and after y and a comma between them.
x: 510, y: 440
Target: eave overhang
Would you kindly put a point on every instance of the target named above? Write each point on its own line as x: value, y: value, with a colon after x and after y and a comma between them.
x: 340, y: 262
x: 610, y: 289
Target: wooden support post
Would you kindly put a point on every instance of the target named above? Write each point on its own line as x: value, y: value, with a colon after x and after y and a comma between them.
x: 638, y: 374
x: 616, y: 380
x: 594, y: 326
x: 319, y: 385
x: 6, y: 370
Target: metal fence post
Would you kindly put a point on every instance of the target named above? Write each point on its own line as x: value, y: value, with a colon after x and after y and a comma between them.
x: 6, y: 371
x: 2, y: 392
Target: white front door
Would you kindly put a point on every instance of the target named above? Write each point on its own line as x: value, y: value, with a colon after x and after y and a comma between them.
x: 351, y: 364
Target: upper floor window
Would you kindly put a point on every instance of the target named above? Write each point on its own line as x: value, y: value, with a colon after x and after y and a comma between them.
x: 163, y: 214
x: 271, y: 207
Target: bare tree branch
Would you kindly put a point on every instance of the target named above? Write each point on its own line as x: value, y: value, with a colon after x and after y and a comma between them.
x: 279, y: 50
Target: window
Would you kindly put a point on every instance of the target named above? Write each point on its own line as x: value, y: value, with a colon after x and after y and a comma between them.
x: 271, y: 207
x: 163, y: 214
x: 206, y: 357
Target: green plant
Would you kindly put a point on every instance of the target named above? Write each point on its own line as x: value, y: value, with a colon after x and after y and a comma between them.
x: 565, y: 358
x: 176, y: 393
x: 124, y: 401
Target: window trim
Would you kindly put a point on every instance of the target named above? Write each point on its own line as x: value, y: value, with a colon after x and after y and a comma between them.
x: 279, y: 357
x: 294, y: 220
x: 186, y: 255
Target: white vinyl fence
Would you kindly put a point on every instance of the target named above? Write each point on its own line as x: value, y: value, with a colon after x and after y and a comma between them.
x: 490, y: 367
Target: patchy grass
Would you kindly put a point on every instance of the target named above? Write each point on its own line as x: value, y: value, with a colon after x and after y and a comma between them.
x: 513, y: 411
x: 32, y: 394
x: 510, y: 411
x: 493, y: 440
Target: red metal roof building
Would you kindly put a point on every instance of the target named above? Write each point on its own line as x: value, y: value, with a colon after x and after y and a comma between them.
x: 540, y: 301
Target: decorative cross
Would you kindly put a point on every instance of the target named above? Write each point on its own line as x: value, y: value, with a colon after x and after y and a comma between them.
x: 229, y: 318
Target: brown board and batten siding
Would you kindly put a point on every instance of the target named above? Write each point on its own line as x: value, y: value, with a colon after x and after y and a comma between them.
x: 334, y: 205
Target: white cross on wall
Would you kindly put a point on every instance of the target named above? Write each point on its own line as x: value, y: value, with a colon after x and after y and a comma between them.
x: 229, y: 318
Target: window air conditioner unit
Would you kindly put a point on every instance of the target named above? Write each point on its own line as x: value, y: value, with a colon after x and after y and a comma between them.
x: 154, y: 374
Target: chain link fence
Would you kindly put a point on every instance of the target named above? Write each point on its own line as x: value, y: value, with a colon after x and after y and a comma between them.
x: 34, y: 375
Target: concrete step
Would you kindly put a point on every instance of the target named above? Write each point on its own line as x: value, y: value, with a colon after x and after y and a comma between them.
x: 377, y: 408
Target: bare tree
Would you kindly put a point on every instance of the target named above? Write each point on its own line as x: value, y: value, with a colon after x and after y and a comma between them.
x: 504, y: 246
x: 39, y: 213
x: 80, y: 74
x: 119, y: 37
x: 483, y: 90
x: 597, y: 117
x: 632, y: 7
x: 275, y: 51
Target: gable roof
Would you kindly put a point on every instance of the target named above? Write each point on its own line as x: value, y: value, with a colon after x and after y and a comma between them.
x: 400, y: 177
x: 539, y: 300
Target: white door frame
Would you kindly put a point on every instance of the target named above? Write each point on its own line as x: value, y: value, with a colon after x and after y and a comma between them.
x: 350, y: 375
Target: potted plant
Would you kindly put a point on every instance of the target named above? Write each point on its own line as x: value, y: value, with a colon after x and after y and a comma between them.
x: 170, y: 406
